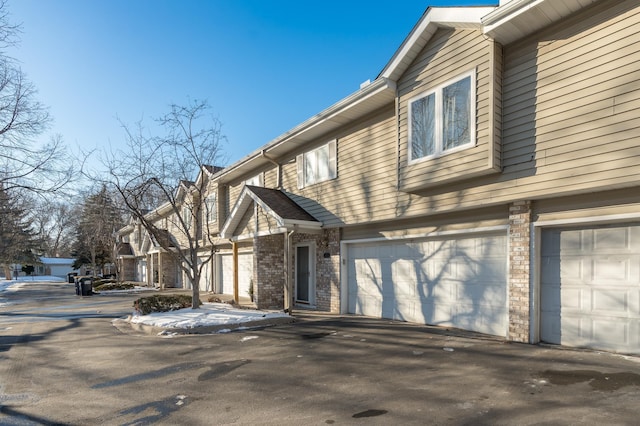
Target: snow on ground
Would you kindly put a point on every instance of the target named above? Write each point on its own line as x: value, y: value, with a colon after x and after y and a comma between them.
x: 209, y: 314
x: 14, y: 284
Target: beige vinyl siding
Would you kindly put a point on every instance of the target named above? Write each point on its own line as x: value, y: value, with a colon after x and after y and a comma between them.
x: 448, y: 55
x: 233, y: 192
x: 621, y: 205
x: 570, y: 126
x: 271, y: 178
x: 247, y: 225
x: 571, y: 111
x: 366, y: 169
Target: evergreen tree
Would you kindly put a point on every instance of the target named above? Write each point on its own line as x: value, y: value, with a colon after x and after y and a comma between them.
x: 18, y: 242
x: 96, y: 231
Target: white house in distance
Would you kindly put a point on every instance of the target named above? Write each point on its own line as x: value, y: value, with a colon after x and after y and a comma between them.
x: 55, y: 266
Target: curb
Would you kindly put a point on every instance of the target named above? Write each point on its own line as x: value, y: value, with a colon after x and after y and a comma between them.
x: 125, y: 326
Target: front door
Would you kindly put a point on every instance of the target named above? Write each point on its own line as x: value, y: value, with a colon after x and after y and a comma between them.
x: 304, y: 274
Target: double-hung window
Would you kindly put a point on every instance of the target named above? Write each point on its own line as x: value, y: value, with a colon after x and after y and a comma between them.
x: 443, y: 119
x: 187, y: 216
x: 211, y: 213
x: 254, y: 181
x: 317, y: 165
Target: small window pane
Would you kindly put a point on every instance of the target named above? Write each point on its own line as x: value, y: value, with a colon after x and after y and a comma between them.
x: 211, y: 208
x: 456, y: 104
x: 323, y: 163
x: 423, y: 127
x: 310, y: 167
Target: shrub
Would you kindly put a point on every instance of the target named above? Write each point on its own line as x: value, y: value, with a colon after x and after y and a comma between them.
x: 106, y: 286
x: 162, y: 303
x: 101, y: 281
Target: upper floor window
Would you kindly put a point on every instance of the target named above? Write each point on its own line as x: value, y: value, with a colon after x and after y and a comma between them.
x: 317, y: 165
x: 443, y: 119
x: 211, y: 213
x: 187, y: 216
x: 254, y: 181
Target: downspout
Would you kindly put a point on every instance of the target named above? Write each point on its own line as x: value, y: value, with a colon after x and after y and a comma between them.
x: 234, y: 246
x: 288, y: 282
x: 264, y: 155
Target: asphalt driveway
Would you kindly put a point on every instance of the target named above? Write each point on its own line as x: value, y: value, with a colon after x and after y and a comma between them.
x: 62, y: 362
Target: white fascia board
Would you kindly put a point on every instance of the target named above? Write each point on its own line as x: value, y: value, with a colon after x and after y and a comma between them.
x: 232, y: 221
x: 295, y: 224
x: 434, y: 17
x: 507, y: 12
x: 376, y: 88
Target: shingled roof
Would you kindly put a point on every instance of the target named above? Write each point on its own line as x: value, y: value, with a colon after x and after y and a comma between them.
x: 280, y: 204
x: 286, y: 212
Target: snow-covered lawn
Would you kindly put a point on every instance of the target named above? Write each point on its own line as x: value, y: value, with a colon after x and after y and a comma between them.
x: 208, y: 315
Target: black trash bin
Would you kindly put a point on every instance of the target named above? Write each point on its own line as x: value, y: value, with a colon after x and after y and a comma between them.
x: 86, y: 286
x: 71, y: 277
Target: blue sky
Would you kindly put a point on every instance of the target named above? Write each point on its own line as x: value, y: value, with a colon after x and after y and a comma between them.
x: 263, y: 65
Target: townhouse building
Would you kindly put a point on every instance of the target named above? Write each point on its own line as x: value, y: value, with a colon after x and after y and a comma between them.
x: 487, y: 179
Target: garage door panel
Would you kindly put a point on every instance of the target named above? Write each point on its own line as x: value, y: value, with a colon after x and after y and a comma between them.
x: 245, y: 274
x: 432, y: 281
x: 597, y: 300
x: 611, y: 239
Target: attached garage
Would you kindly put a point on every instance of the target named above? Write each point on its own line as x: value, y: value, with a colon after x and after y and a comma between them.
x: 245, y: 273
x: 590, y: 287
x: 456, y: 281
x: 206, y: 281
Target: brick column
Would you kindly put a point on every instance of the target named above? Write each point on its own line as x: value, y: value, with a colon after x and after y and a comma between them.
x: 268, y: 271
x: 519, y: 244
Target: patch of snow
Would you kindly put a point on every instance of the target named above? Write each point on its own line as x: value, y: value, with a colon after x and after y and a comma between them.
x: 209, y: 314
x: 245, y: 338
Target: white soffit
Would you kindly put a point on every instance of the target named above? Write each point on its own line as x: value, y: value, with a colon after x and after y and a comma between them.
x: 434, y: 18
x: 519, y: 18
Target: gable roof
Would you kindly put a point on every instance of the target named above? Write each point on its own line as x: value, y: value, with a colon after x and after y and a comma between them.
x: 433, y: 18
x: 287, y: 214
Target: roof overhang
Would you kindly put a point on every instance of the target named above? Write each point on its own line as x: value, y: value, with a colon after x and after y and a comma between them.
x: 369, y: 98
x: 433, y: 19
x: 519, y: 18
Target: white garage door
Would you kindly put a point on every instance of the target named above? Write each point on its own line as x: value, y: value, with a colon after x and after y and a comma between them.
x: 590, y: 287
x: 206, y: 281
x: 456, y: 282
x: 245, y: 273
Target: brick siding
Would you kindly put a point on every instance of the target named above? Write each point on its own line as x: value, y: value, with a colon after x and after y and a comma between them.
x: 519, y: 243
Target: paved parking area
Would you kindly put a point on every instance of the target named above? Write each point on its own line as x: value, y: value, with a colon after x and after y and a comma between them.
x: 62, y: 362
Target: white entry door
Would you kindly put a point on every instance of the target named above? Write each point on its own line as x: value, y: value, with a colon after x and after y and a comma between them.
x: 458, y: 282
x: 590, y: 287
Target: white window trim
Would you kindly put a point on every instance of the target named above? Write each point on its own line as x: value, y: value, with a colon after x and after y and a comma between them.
x: 439, y: 152
x: 332, y: 159
x: 252, y: 181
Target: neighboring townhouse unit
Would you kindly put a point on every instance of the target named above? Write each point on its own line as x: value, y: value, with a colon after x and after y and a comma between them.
x: 488, y: 179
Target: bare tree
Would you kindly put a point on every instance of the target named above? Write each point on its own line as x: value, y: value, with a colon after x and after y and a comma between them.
x: 55, y: 222
x: 25, y: 163
x: 155, y: 179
